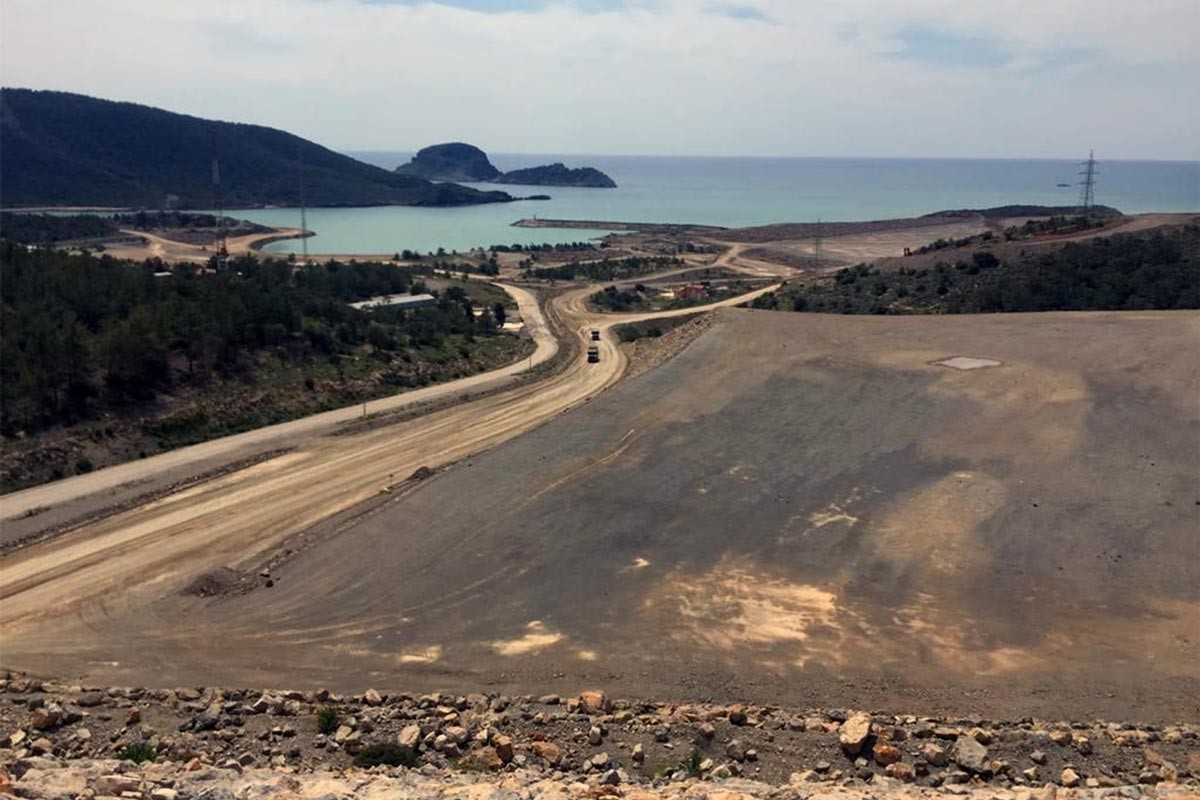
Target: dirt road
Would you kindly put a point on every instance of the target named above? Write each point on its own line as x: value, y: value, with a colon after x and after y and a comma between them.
x: 138, y: 555
x: 176, y: 252
x: 52, y: 494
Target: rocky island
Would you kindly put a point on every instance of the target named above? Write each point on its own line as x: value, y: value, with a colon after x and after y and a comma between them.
x: 558, y: 175
x: 458, y: 161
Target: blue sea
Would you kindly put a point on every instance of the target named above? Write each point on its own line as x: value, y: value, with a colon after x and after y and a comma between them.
x: 734, y: 192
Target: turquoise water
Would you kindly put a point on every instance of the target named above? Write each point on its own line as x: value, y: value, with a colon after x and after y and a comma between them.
x: 734, y: 192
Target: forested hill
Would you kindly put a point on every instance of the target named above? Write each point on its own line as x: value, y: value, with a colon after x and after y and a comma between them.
x: 58, y: 148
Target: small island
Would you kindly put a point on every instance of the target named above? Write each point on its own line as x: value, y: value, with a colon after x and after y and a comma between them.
x: 558, y: 175
x: 458, y: 161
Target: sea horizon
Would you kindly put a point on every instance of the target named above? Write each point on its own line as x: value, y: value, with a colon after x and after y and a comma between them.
x: 730, y: 191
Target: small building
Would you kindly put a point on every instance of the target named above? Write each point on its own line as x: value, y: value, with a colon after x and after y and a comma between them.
x: 693, y: 291
x: 404, y: 301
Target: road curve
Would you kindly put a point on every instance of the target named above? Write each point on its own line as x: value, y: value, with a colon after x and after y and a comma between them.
x: 50, y: 494
x: 137, y: 555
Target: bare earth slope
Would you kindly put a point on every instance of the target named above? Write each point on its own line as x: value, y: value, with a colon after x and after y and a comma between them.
x: 798, y: 508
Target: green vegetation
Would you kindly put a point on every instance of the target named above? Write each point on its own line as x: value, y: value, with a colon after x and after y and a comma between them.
x: 1026, y: 210
x: 127, y: 358
x: 643, y: 298
x: 1156, y: 270
x: 650, y: 329
x: 328, y: 720
x: 558, y: 174
x: 69, y: 149
x: 387, y: 753
x: 606, y: 269
x: 48, y: 228
x: 138, y: 753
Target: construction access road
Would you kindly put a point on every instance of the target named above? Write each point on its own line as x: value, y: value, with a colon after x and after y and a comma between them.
x: 136, y: 556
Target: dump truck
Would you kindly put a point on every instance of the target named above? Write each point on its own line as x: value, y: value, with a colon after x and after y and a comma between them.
x: 595, y: 335
x: 593, y: 355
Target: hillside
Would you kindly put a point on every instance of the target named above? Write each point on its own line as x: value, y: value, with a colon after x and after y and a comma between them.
x: 453, y: 161
x: 69, y: 149
x: 1135, y: 271
x: 559, y: 175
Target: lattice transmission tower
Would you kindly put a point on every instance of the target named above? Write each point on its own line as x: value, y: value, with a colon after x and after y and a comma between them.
x: 1087, y: 186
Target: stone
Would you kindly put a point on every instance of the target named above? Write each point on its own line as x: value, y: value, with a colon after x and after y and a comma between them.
x: 504, y: 747
x: 705, y: 730
x: 1069, y: 778
x: 934, y: 755
x: 599, y: 761
x: 1061, y: 738
x: 735, y: 751
x: 343, y: 733
x: 372, y: 698
x: 133, y: 716
x: 17, y: 738
x: 900, y: 771
x: 970, y: 754
x: 409, y: 737
x: 594, y: 701
x: 1037, y: 757
x: 595, y: 736
x: 547, y: 751
x: 886, y: 754
x: 482, y: 758
x: 44, y: 719
x: 1032, y: 774
x: 854, y: 732
x: 737, y: 715
x: 611, y: 778
x: 115, y: 784
x: 638, y: 754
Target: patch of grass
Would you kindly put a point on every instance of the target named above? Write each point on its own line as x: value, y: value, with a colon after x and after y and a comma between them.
x: 328, y: 720
x: 138, y: 753
x: 388, y: 753
x: 694, y: 760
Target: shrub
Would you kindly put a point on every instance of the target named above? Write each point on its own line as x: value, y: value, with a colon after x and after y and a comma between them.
x: 328, y: 720
x: 137, y: 753
x: 388, y: 753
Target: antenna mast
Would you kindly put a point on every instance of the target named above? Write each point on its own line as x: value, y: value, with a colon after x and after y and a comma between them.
x: 817, y: 244
x: 1087, y: 190
x: 218, y: 204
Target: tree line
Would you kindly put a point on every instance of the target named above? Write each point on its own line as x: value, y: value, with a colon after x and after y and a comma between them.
x: 81, y: 334
x: 1154, y: 270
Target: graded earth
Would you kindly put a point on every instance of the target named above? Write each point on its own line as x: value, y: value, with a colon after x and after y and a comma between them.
x: 796, y: 507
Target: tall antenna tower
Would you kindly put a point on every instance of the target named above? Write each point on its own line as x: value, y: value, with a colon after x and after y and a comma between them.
x: 303, y: 206
x: 1087, y: 186
x: 218, y: 205
x: 817, y: 244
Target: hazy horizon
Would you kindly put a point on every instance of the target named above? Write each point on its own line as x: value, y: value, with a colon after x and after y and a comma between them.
x: 755, y: 78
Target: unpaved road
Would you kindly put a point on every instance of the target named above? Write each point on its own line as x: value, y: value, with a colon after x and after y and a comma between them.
x: 15, y: 504
x: 137, y: 555
x: 170, y: 250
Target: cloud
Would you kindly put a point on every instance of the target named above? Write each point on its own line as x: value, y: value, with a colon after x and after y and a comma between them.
x: 802, y: 77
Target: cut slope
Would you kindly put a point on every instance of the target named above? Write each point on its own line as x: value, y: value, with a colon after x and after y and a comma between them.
x: 70, y: 149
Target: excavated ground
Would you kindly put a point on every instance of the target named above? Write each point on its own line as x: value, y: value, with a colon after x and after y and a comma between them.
x: 798, y: 509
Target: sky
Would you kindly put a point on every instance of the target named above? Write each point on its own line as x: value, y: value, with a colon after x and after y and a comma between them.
x: 918, y: 78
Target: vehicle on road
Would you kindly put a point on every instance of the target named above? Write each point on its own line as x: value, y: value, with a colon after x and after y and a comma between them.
x: 595, y: 335
x: 593, y: 355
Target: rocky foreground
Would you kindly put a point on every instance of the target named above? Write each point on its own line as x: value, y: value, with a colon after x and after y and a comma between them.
x: 70, y: 741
